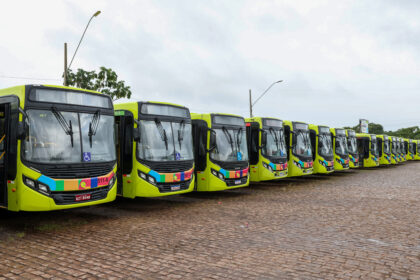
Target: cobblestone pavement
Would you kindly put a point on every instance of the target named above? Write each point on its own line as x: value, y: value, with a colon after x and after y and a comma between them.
x: 354, y: 224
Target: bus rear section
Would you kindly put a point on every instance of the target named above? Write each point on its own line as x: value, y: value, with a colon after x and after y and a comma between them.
x: 155, y: 149
x: 65, y: 139
x: 352, y: 148
x: 368, y: 150
x: 384, y: 149
x: 322, y: 150
x: 220, y: 150
x: 300, y: 161
x: 267, y: 149
x: 340, y: 148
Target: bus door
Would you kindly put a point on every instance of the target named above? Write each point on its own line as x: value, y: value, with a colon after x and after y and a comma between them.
x: 125, y: 124
x: 4, y: 128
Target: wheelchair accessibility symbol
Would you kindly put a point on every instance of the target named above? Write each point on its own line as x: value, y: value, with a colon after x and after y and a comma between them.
x: 86, y: 156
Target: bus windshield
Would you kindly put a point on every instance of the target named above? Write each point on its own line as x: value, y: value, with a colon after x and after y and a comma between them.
x: 352, y: 145
x: 275, y: 145
x: 341, y: 145
x: 386, y: 147
x: 165, y: 141
x: 303, y: 144
x: 230, y: 145
x: 325, y: 145
x: 69, y: 137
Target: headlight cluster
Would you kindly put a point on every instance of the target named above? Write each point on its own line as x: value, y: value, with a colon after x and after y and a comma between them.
x: 147, y: 177
x: 323, y: 163
x: 35, y: 185
x: 111, y: 181
x: 218, y: 174
x: 268, y: 167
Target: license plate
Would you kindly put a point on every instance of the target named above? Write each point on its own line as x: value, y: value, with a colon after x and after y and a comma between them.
x: 237, y: 182
x: 81, y: 197
x: 175, y: 188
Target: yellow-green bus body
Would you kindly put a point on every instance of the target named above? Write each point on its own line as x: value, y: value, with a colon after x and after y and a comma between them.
x: 220, y: 151
x: 299, y: 148
x: 42, y: 185
x: 352, y: 147
x: 142, y: 168
x: 322, y: 150
x: 266, y: 149
x: 417, y: 149
x: 340, y: 148
x: 384, y: 149
x: 367, y: 147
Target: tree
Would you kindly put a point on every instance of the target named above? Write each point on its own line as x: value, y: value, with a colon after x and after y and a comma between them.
x: 105, y: 81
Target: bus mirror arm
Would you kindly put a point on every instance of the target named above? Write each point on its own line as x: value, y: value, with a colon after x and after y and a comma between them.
x: 22, y: 126
x: 212, y: 140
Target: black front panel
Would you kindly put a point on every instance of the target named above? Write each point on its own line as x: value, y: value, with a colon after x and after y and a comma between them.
x: 200, y: 131
x: 168, y: 187
x: 169, y: 167
x: 252, y: 135
x: 4, y: 127
x: 62, y: 198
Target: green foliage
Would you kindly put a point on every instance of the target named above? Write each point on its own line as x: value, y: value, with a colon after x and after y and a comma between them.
x: 105, y: 81
x: 409, y: 132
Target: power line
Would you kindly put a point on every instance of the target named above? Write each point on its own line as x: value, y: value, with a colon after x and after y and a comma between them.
x: 28, y: 78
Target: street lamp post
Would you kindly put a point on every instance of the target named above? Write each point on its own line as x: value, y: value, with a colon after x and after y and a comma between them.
x: 251, y: 104
x: 78, y: 45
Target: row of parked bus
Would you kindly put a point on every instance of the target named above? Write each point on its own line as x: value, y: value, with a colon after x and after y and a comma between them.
x: 64, y: 147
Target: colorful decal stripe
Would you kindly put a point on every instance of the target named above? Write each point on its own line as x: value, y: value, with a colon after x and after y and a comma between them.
x: 234, y: 174
x: 306, y: 164
x: 278, y: 167
x: 171, y: 177
x: 328, y: 163
x: 76, y: 184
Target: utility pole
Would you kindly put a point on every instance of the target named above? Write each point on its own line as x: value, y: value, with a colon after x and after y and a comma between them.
x: 65, y: 64
x: 250, y: 104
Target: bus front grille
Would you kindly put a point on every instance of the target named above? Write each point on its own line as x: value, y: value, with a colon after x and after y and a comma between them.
x: 62, y: 198
x: 169, y: 167
x: 71, y: 171
x: 167, y: 187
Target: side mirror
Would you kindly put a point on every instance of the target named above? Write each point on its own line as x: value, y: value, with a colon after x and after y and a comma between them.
x: 136, y: 134
x: 212, y: 140
x: 263, y: 138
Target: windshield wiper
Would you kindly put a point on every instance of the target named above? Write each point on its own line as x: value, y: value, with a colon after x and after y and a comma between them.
x: 181, y: 133
x: 162, y: 132
x: 275, y: 137
x: 93, y: 125
x: 229, y: 137
x: 67, y: 127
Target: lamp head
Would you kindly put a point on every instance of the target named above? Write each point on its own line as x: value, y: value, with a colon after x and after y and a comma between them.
x: 97, y: 13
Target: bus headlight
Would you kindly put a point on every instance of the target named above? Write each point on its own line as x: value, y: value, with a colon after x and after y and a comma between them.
x: 218, y: 174
x: 221, y: 176
x: 43, y: 188
x: 111, y: 182
x: 151, y: 180
x: 30, y: 183
x: 147, y: 177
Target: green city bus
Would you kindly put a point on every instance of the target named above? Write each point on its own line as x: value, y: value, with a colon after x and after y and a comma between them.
x: 352, y: 148
x: 341, y: 153
x: 322, y: 150
x: 368, y: 149
x: 57, y: 148
x: 220, y: 151
x: 384, y: 150
x: 266, y: 148
x: 155, y: 149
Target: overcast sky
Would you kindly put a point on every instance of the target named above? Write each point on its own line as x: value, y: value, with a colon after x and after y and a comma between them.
x: 340, y: 60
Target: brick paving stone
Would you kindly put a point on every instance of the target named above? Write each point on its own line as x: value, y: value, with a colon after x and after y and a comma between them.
x: 359, y: 224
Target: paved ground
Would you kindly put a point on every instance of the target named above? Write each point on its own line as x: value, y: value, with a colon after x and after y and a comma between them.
x: 356, y: 224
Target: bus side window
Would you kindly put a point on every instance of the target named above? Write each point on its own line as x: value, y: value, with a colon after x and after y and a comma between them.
x: 366, y: 147
x: 126, y: 126
x: 380, y: 146
x: 312, y: 134
x: 200, y: 130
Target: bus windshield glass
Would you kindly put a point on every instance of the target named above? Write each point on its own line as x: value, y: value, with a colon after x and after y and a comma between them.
x: 352, y: 145
x: 325, y: 145
x: 341, y: 145
x: 230, y: 145
x: 67, y: 137
x: 165, y: 141
x: 303, y: 144
x: 387, y: 150
x: 275, y: 145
